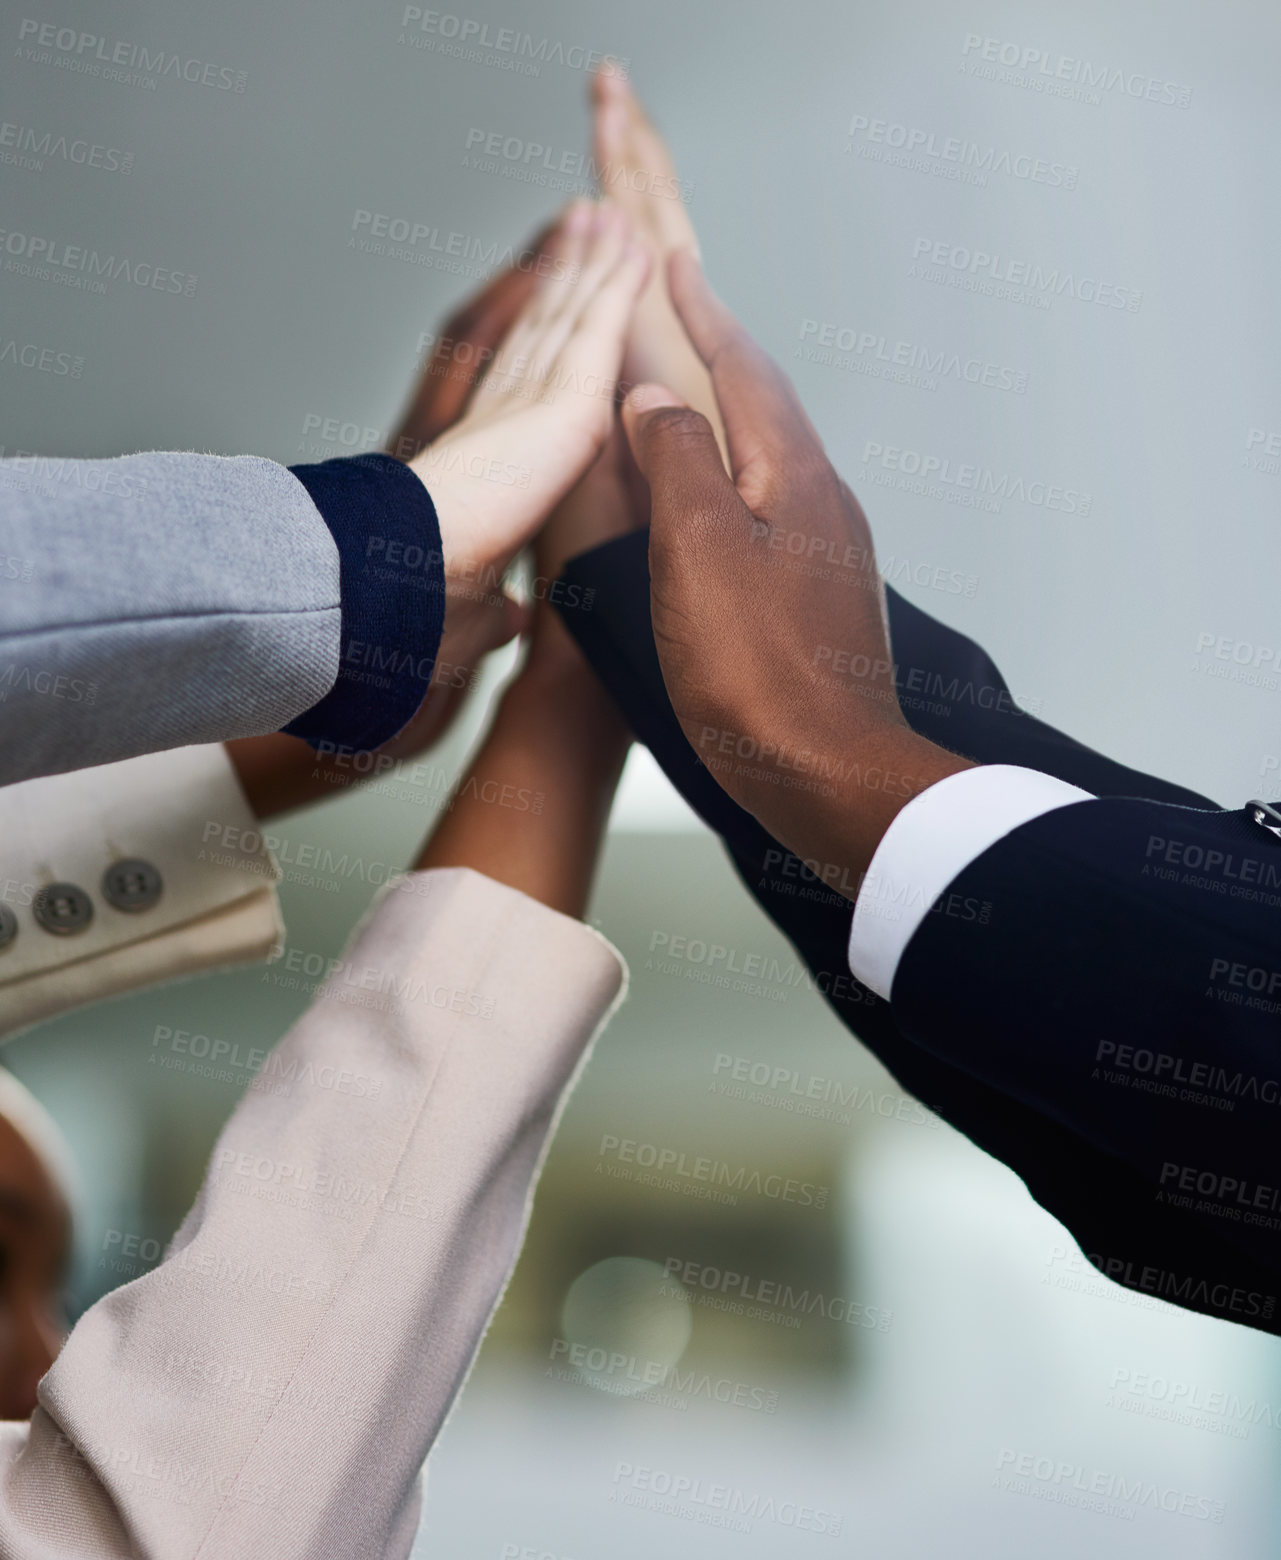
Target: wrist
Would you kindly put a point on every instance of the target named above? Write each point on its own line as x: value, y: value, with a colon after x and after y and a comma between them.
x: 428, y: 466
x: 557, y: 678
x: 836, y: 826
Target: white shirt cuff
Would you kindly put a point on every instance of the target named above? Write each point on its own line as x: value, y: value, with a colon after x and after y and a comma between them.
x: 929, y: 844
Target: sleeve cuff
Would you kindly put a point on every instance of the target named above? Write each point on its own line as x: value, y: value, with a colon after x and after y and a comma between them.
x: 392, y: 575
x: 179, y: 816
x: 929, y: 844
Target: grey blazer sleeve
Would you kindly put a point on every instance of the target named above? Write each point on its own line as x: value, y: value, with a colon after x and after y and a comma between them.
x: 157, y: 601
x: 273, y: 1387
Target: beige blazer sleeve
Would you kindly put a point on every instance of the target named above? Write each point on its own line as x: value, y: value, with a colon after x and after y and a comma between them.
x: 273, y: 1387
x: 174, y: 825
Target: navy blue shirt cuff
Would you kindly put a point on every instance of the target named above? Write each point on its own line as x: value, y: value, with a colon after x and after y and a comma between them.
x: 392, y: 576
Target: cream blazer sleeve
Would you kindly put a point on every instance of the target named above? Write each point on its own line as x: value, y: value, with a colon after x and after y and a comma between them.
x: 273, y: 1387
x: 151, y: 869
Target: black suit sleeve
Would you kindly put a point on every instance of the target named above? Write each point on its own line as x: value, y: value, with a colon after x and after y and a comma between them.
x: 953, y: 694
x: 1127, y: 984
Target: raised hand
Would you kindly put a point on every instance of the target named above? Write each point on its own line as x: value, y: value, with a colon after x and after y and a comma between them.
x: 531, y: 427
x: 748, y: 629
x: 638, y: 174
x: 465, y: 345
x: 544, y: 410
x: 497, y: 451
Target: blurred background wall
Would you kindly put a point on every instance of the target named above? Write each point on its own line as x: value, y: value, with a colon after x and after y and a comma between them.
x: 928, y: 1329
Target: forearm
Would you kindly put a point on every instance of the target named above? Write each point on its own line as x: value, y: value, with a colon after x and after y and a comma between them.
x: 178, y: 599
x: 376, y: 1183
x: 174, y: 599
x: 532, y: 808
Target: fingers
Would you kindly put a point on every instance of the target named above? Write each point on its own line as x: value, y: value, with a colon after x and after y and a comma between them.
x: 765, y: 422
x: 605, y: 248
x: 578, y: 326
x: 590, y: 358
x: 483, y: 622
x: 504, y: 620
x: 498, y: 302
x: 610, y: 122
x: 567, y: 249
x: 636, y: 164
x: 691, y: 495
x: 465, y: 345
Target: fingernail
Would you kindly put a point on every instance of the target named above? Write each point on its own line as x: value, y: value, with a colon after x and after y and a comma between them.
x: 648, y: 398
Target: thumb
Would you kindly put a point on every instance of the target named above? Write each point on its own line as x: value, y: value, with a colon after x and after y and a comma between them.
x: 676, y: 451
